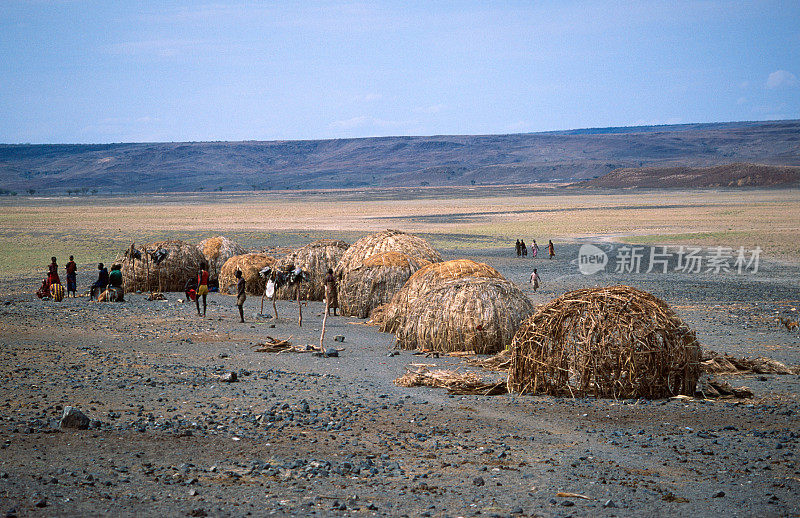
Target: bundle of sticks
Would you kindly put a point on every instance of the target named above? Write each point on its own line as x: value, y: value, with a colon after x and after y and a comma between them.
x: 461, y: 383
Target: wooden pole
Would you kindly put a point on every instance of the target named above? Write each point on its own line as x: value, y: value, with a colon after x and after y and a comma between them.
x: 147, y: 275
x: 263, y: 295
x: 324, y: 320
x: 299, y: 306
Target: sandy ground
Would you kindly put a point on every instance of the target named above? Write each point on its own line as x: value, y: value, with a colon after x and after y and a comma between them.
x: 299, y: 435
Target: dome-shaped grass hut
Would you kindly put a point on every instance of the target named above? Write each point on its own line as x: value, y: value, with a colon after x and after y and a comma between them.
x: 386, y: 241
x: 467, y: 314
x: 315, y: 259
x: 162, y: 266
x: 391, y: 315
x: 375, y: 282
x: 250, y: 265
x: 615, y: 342
x: 217, y: 250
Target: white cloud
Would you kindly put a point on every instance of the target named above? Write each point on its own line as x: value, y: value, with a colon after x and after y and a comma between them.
x: 159, y: 47
x: 741, y: 100
x: 780, y: 79
x: 432, y: 109
x: 366, y: 98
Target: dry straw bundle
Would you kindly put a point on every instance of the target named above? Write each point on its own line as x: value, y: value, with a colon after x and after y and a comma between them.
x: 464, y: 383
x: 391, y: 316
x: 616, y: 342
x: 315, y: 259
x: 375, y: 282
x: 181, y: 262
x: 385, y: 241
x: 468, y: 314
x: 250, y: 265
x: 217, y: 250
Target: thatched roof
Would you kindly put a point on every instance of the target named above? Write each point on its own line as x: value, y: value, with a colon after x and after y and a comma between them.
x: 217, y: 250
x: 314, y: 259
x: 466, y: 314
x: 386, y: 241
x: 617, y: 342
x: 375, y: 281
x: 391, y: 316
x: 250, y: 265
x: 181, y: 263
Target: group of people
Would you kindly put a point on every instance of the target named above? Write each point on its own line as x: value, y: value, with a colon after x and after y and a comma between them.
x: 197, y: 288
x: 108, y: 286
x: 107, y: 283
x: 522, y: 249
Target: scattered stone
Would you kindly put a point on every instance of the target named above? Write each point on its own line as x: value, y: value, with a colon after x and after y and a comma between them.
x: 478, y: 481
x: 41, y: 502
x: 230, y: 377
x: 610, y: 504
x: 567, y: 503
x: 338, y: 338
x: 331, y: 352
x: 198, y: 513
x: 74, y: 418
x: 719, y: 494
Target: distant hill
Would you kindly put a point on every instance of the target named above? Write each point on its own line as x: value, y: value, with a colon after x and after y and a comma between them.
x: 566, y: 156
x: 729, y: 175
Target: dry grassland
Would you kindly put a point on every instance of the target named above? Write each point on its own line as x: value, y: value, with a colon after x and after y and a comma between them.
x: 33, y: 229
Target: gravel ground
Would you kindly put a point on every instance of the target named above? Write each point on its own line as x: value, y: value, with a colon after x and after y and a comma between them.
x: 298, y: 435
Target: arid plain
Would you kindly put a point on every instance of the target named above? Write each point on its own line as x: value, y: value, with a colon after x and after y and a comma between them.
x: 299, y: 435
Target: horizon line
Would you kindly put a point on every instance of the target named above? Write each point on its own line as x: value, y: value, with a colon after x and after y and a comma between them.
x: 547, y: 132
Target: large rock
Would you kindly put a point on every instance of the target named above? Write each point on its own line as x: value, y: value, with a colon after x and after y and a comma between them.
x: 74, y: 418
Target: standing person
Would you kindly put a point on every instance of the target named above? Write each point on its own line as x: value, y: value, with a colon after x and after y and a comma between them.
x: 519, y: 249
x: 535, y: 280
x: 72, y: 276
x: 202, y: 287
x: 551, y: 249
x: 331, y: 295
x: 240, y: 294
x: 534, y: 249
x: 102, y: 281
x: 52, y: 272
x: 523, y: 247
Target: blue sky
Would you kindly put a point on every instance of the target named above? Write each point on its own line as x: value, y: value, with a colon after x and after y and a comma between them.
x: 179, y: 71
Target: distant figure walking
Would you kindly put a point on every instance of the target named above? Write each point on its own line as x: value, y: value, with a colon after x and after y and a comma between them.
x: 72, y: 276
x: 535, y: 280
x: 240, y: 294
x: 202, y: 287
x: 523, y: 247
x: 519, y: 249
x: 534, y: 249
x: 331, y: 294
x: 102, y: 282
x: 551, y: 249
x: 52, y: 272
